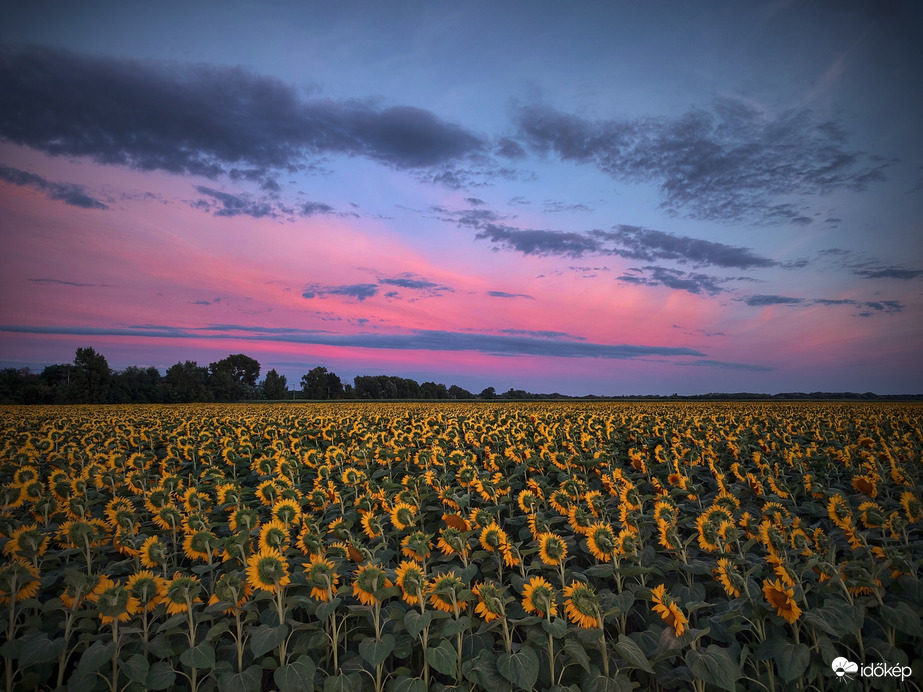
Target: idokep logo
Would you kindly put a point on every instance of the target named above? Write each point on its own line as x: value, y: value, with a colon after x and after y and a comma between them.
x: 846, y: 669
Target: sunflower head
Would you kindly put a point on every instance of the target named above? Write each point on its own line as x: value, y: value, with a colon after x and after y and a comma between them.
x: 448, y: 592
x: 181, y: 592
x: 18, y: 581
x: 267, y: 570
x: 402, y: 515
x: 581, y: 604
x: 490, y: 601
x: 146, y: 588
x: 493, y: 537
x: 410, y: 578
x: 321, y: 576
x: 669, y: 612
x: 538, y: 597
x: 370, y: 579
x: 601, y: 541
x: 286, y: 511
x: 729, y: 578
x: 416, y: 545
x: 782, y: 598
x: 274, y: 536
x: 114, y: 601
x: 551, y: 548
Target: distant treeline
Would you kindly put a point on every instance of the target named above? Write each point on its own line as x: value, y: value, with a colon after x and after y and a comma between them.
x: 90, y: 380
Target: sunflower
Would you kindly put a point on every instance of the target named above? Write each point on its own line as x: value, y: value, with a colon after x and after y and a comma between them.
x: 669, y: 612
x: 453, y: 521
x: 233, y: 590
x: 267, y: 570
x: 581, y: 604
x: 274, y: 535
x: 321, y: 577
x: 286, y: 511
x: 528, y: 501
x: 78, y: 587
x: 153, y: 553
x: 490, y: 601
x: 18, y: 581
x: 411, y: 580
x: 601, y: 541
x: 580, y: 519
x: 416, y: 546
x: 728, y: 577
x: 782, y: 598
x: 493, y: 537
x: 538, y: 597
x: 402, y: 515
x: 913, y: 508
x: 551, y: 548
x: 372, y: 525
x: 838, y: 509
x: 448, y: 592
x: 451, y: 542
x: 200, y: 545
x: 369, y: 580
x: 243, y: 519
x: 181, y: 592
x: 666, y: 534
x: 268, y: 492
x: 228, y: 494
x: 146, y: 588
x: 168, y: 517
x: 114, y: 601
x: 627, y: 542
x: 309, y: 540
x: 27, y: 543
x: 511, y: 555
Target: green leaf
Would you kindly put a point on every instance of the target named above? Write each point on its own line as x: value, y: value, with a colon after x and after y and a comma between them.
x: 557, y: 628
x: 137, y: 668
x: 415, y: 622
x: 904, y: 619
x: 601, y: 683
x: 265, y: 638
x: 519, y: 667
x: 376, y: 651
x: 631, y: 652
x: 296, y: 676
x: 251, y: 680
x: 840, y: 620
x: 791, y: 659
x: 443, y: 658
x: 453, y: 627
x: 95, y: 657
x: 714, y: 666
x: 326, y: 608
x: 407, y: 684
x: 217, y: 629
x: 161, y: 676
x: 575, y: 650
x: 199, y: 656
x: 343, y: 683
x: 40, y: 649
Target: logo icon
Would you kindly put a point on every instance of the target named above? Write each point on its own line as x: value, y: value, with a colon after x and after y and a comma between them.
x: 844, y: 668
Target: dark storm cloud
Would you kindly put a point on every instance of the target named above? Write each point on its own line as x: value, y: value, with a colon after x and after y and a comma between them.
x: 203, y: 119
x: 504, y: 294
x: 357, y: 291
x: 677, y: 280
x: 69, y: 193
x: 422, y: 340
x: 728, y: 163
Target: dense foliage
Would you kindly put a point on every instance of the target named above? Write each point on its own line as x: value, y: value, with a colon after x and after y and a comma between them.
x: 488, y: 546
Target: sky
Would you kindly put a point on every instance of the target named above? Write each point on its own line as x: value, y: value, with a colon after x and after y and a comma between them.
x: 586, y: 198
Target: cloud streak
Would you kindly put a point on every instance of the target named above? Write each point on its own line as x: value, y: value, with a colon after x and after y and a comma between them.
x: 69, y: 193
x: 416, y: 340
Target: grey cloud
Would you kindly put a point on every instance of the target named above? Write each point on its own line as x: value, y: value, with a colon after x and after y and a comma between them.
x: 203, y: 119
x: 231, y: 205
x: 763, y: 300
x: 435, y: 340
x: 510, y: 149
x: 358, y: 291
x: 731, y: 162
x: 725, y: 365
x: 312, y: 208
x: 542, y: 334
x: 676, y: 280
x: 504, y: 294
x: 540, y: 242
x: 891, y: 272
x: 69, y: 193
x: 634, y: 242
x: 60, y: 282
x: 553, y: 207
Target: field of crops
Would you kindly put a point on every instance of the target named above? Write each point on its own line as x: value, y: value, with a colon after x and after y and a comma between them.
x: 406, y: 547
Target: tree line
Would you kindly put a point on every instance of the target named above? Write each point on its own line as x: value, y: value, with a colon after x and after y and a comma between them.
x: 90, y: 380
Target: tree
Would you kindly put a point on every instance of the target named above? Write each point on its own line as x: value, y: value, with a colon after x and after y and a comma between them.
x: 275, y: 386
x: 187, y: 382
x: 234, y: 377
x: 456, y: 392
x: 319, y: 383
x: 488, y: 393
x: 89, y: 382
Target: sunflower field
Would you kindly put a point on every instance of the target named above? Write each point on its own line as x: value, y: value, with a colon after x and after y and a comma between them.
x: 470, y: 546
